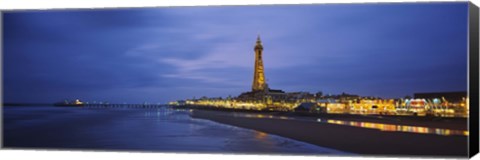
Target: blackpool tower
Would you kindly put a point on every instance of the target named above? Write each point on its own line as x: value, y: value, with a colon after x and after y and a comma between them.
x: 258, y: 75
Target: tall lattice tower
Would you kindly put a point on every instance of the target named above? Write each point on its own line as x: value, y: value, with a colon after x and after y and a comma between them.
x: 258, y: 75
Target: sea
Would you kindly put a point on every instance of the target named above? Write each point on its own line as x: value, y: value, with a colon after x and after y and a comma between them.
x: 161, y: 129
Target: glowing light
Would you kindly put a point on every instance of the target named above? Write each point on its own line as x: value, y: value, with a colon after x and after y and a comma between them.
x: 398, y: 128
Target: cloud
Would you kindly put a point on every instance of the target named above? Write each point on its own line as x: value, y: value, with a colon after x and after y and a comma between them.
x: 174, y: 53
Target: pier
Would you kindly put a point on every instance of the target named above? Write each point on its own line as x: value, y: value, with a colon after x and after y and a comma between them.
x: 100, y: 105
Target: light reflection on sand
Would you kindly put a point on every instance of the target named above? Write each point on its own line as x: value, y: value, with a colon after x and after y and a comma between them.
x: 260, y: 135
x: 371, y: 125
x: 397, y: 128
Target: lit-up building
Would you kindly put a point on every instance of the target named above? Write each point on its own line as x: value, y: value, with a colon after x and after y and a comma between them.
x: 262, y: 97
x: 262, y: 93
x: 78, y: 102
x: 446, y: 103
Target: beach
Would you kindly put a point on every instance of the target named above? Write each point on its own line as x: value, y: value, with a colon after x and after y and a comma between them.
x: 363, y: 141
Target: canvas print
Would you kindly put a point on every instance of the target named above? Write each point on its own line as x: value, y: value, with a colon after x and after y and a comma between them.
x: 385, y: 79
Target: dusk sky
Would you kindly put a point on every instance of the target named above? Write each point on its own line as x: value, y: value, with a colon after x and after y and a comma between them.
x: 164, y: 54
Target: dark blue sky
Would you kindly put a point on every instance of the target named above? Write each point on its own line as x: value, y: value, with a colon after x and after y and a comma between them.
x: 172, y: 53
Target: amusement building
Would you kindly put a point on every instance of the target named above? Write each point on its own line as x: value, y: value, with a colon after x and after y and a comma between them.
x: 262, y: 97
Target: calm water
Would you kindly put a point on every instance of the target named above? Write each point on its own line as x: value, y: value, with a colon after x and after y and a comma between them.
x: 159, y: 129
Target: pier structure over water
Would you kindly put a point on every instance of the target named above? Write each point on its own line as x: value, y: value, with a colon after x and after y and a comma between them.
x: 98, y: 105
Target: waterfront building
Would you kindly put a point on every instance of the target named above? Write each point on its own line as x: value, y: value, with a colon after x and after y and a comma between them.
x: 78, y: 102
x: 262, y: 97
x: 446, y: 103
x: 260, y: 92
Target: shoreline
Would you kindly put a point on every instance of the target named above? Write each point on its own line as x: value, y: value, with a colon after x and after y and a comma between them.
x: 347, y: 138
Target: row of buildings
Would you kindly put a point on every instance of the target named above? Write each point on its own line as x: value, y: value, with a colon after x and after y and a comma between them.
x: 443, y: 105
x: 262, y: 97
x: 439, y: 106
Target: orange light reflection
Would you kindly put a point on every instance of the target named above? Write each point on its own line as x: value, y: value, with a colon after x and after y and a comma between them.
x: 398, y: 128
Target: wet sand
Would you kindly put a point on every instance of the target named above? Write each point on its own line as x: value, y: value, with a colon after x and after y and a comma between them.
x: 350, y: 139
